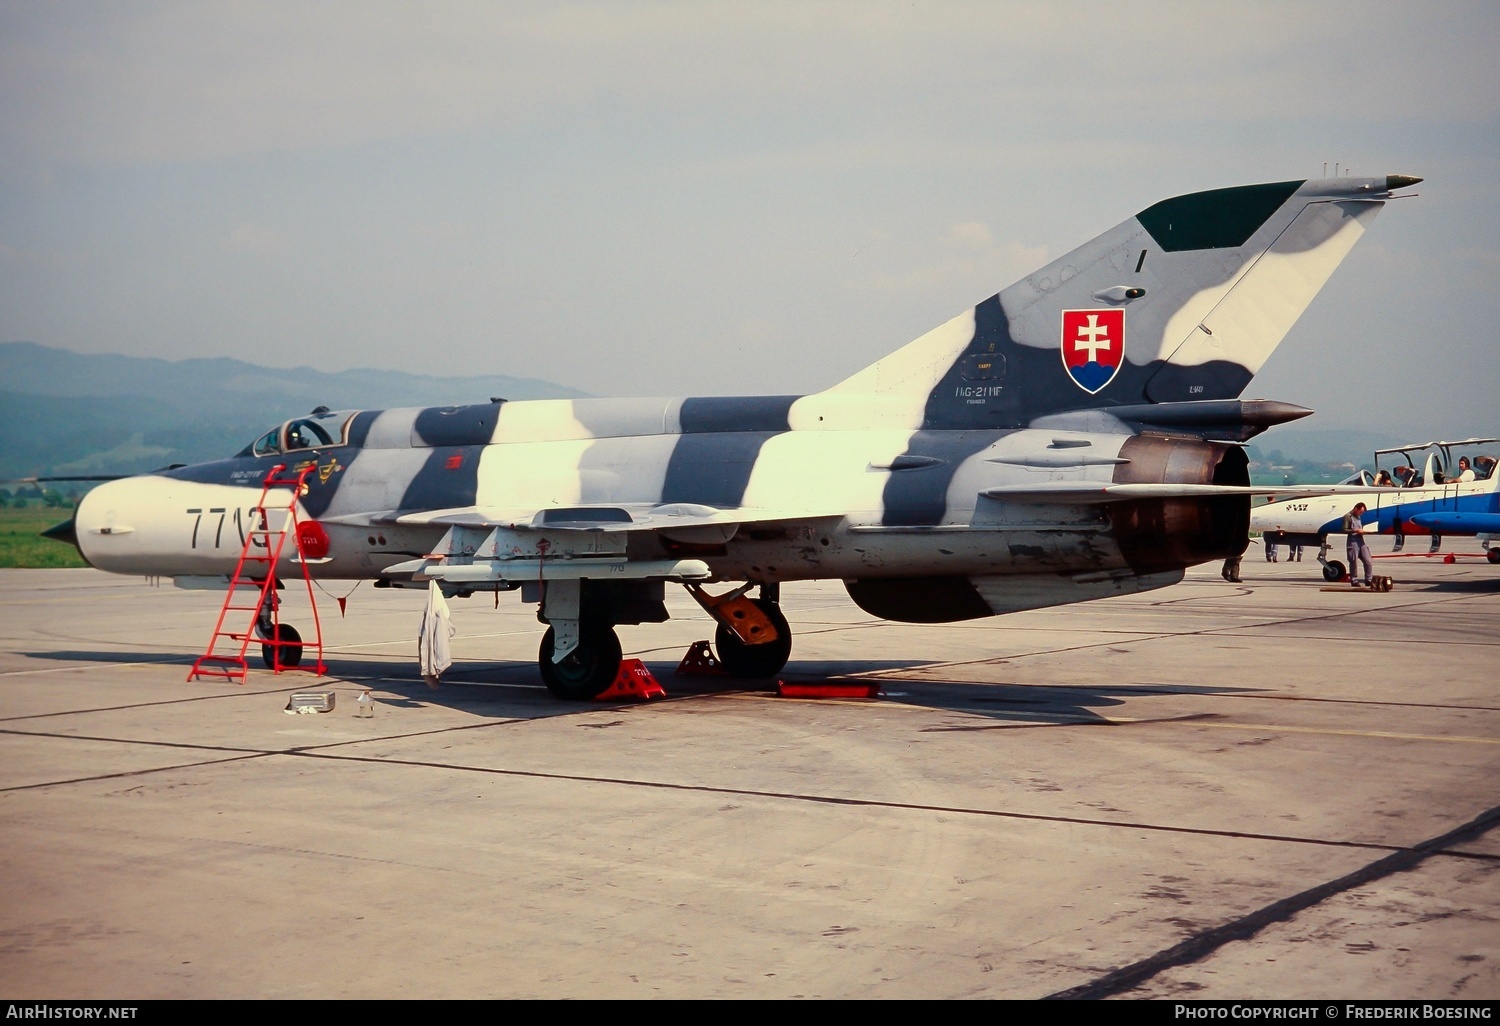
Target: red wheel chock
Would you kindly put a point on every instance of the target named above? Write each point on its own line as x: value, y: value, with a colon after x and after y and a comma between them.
x: 633, y: 681
x: 827, y: 690
x: 700, y: 661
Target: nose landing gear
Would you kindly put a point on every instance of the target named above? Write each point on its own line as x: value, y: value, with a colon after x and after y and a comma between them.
x: 282, y: 647
x: 281, y: 643
x: 1333, y: 570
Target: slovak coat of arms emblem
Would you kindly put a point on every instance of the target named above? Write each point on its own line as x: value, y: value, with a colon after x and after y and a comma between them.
x: 1093, y: 346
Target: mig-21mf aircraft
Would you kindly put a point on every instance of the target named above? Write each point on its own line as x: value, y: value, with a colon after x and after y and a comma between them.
x: 1431, y: 488
x: 1076, y: 436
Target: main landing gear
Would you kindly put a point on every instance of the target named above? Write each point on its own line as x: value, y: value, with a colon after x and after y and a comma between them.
x: 760, y: 660
x: 580, y: 653
x: 587, y: 670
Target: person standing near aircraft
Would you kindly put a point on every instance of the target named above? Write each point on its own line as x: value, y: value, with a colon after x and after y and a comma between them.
x: 1358, y: 548
x: 1231, y: 571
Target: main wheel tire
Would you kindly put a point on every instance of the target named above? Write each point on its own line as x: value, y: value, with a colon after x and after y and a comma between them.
x: 755, y: 661
x: 1333, y: 570
x: 1493, y: 555
x: 291, y: 648
x: 587, y: 671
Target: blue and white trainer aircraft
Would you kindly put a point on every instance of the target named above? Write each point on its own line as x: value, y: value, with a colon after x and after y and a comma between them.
x: 1077, y: 435
x: 1455, y: 490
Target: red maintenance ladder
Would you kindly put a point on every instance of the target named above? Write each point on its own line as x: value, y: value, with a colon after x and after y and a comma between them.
x: 281, y: 646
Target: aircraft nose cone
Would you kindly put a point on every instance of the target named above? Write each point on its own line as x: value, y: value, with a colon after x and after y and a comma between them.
x: 67, y: 531
x: 1400, y: 181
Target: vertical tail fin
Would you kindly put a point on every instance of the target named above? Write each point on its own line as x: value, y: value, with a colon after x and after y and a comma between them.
x: 1185, y: 301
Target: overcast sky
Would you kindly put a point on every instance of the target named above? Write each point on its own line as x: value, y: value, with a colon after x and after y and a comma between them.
x: 721, y: 198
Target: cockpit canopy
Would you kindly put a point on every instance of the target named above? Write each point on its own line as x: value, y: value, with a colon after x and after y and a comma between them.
x: 1439, y: 463
x: 316, y: 431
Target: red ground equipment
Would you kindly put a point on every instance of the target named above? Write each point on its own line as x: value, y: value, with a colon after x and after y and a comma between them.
x: 282, y: 647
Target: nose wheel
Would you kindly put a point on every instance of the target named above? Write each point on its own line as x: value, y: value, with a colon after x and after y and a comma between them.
x: 285, y: 637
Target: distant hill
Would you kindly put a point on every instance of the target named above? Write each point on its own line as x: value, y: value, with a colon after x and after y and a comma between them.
x: 1311, y: 444
x: 63, y: 412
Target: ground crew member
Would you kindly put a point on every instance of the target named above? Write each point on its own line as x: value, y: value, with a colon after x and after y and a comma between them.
x: 1358, y: 548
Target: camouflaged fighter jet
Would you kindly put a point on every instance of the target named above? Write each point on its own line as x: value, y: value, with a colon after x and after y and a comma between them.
x: 1076, y: 436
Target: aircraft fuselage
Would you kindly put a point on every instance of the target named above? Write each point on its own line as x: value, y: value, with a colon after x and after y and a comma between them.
x: 840, y: 503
